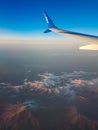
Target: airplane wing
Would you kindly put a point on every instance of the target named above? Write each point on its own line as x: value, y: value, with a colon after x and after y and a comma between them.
x: 89, y: 39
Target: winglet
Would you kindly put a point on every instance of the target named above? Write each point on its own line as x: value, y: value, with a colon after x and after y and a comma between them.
x: 49, y: 22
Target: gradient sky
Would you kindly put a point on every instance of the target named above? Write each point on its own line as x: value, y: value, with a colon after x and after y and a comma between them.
x: 25, y: 17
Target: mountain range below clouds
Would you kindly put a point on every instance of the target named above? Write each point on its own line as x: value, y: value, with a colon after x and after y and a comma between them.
x: 46, y: 86
x: 66, y: 101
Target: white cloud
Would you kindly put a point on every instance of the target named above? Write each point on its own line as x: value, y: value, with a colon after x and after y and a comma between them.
x: 82, y: 83
x: 65, y: 86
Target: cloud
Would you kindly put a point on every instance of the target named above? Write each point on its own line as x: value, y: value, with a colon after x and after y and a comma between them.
x: 78, y: 89
x: 82, y: 83
x: 66, y: 87
x: 57, y: 84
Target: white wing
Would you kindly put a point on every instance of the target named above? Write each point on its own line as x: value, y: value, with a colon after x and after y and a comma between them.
x: 89, y: 39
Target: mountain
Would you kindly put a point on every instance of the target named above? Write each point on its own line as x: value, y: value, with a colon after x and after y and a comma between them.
x: 17, y: 117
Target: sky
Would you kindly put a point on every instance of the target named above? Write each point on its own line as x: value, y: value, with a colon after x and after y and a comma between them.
x: 24, y: 18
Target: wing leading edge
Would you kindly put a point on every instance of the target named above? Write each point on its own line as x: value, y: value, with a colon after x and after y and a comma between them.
x: 89, y: 39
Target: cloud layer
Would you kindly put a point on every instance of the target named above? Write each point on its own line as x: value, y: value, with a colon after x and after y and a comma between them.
x: 75, y: 95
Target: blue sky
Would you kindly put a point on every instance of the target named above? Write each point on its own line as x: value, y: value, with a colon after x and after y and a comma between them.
x: 25, y: 17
